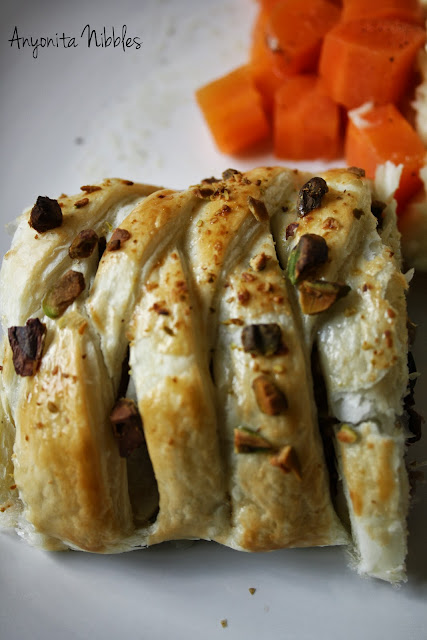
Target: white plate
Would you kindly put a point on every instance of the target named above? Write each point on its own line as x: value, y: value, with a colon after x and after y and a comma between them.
x: 73, y: 115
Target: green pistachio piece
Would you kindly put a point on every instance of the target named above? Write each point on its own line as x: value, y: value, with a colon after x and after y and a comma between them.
x: 249, y: 441
x: 309, y: 254
x: 83, y: 244
x: 311, y: 195
x: 270, y: 399
x: 262, y: 339
x: 320, y: 295
x: 63, y: 293
x: 258, y: 209
x: 287, y: 461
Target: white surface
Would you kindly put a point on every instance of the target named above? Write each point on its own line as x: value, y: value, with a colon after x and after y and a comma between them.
x: 136, y: 117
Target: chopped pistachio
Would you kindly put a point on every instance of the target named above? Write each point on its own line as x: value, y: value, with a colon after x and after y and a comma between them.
x: 270, y: 399
x: 230, y: 173
x: 360, y: 173
x: 262, y: 339
x: 310, y: 252
x: 347, y: 435
x: 81, y: 203
x: 203, y: 192
x: 331, y: 224
x: 45, y: 215
x: 249, y: 441
x: 259, y: 262
x: 320, y: 295
x: 310, y: 195
x: 88, y: 188
x: 117, y: 240
x: 83, y: 244
x: 287, y: 461
x: 63, y: 293
x: 248, y: 277
x: 27, y: 344
x: 258, y: 209
x: 243, y: 296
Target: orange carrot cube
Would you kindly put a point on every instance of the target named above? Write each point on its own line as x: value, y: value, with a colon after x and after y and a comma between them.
x: 298, y: 28
x: 307, y: 123
x: 233, y: 110
x: 267, y: 63
x: 369, y: 60
x: 384, y: 134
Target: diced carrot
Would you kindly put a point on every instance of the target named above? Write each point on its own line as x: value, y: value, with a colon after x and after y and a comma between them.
x: 286, y: 40
x: 299, y: 27
x: 233, y: 111
x: 307, y: 123
x: 369, y: 60
x: 405, y: 10
x: 380, y: 134
x: 267, y: 63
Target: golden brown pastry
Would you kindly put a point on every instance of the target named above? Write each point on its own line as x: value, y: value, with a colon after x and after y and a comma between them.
x: 180, y: 365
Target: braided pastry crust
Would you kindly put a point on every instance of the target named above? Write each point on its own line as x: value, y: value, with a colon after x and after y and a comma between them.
x: 174, y: 394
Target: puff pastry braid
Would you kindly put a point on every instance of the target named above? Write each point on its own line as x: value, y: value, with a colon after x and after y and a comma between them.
x: 168, y: 390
